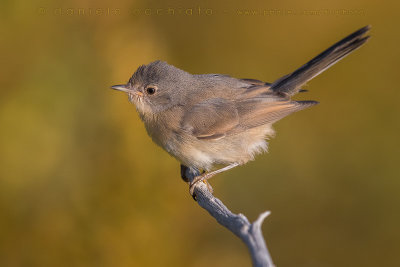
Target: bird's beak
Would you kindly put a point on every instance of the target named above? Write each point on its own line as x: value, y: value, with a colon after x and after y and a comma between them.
x: 121, y: 87
x: 126, y: 89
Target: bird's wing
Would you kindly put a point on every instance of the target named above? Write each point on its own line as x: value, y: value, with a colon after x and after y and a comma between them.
x: 254, y: 112
x: 216, y: 118
x: 254, y: 82
x: 211, y: 119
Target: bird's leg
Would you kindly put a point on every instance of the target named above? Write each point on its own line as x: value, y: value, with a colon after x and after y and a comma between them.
x: 189, y: 173
x: 205, y: 176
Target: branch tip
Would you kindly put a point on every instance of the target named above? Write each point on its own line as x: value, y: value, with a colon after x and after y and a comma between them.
x: 262, y: 217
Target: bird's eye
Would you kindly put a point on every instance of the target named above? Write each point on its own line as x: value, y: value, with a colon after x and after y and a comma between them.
x: 150, y: 90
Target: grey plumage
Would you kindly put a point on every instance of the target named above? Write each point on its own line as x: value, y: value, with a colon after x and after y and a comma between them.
x: 209, y: 119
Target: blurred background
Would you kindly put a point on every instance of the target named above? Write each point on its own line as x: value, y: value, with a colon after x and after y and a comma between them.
x: 81, y: 183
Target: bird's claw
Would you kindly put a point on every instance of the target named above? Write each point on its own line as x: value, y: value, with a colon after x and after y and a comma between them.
x: 194, y: 183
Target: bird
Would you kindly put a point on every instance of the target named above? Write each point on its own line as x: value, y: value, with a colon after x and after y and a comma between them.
x: 209, y: 120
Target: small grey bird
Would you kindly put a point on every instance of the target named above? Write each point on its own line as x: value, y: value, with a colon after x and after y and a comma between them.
x: 212, y: 119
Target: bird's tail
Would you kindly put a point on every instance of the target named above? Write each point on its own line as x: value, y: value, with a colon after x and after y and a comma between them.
x: 291, y: 83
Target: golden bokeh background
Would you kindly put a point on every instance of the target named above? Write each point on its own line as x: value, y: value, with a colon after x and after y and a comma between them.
x: 81, y: 183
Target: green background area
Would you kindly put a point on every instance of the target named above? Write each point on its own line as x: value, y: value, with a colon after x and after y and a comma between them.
x: 81, y: 183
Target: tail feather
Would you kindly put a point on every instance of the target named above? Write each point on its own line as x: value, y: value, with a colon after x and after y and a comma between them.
x: 291, y: 83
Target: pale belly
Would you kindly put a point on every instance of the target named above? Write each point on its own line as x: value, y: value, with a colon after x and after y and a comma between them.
x: 204, y: 154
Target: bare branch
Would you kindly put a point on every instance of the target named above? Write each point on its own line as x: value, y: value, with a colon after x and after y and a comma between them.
x: 249, y: 233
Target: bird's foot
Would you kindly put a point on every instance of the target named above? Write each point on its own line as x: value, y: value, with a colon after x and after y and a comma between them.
x: 201, y: 178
